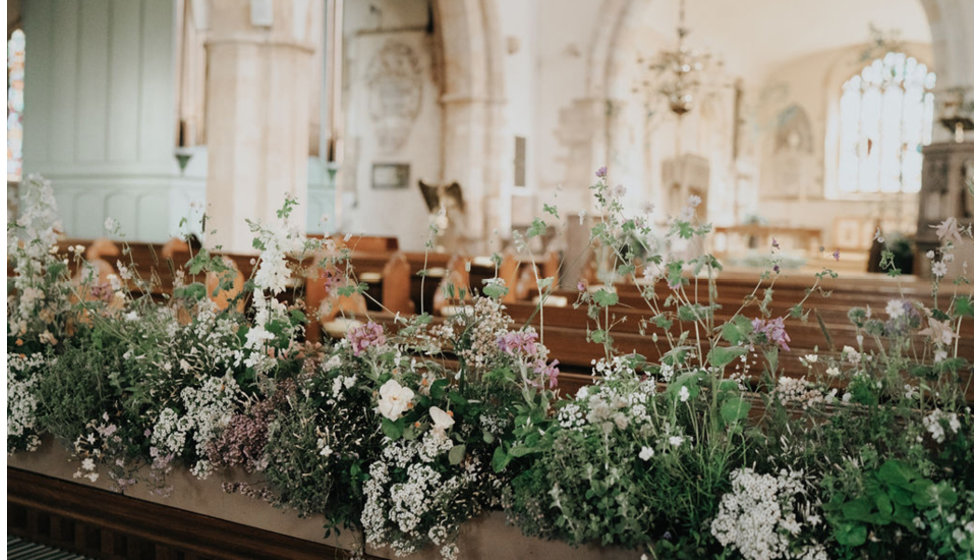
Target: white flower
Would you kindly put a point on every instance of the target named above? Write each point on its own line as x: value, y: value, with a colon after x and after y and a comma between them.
x: 812, y: 358
x: 394, y: 400
x: 646, y: 453
x: 684, y: 394
x: 833, y: 371
x: 676, y: 441
x: 939, y: 269
x: 895, y: 308
x: 694, y: 201
x: 111, y: 224
x: 441, y: 421
x: 934, y: 424
x: 88, y: 464
x: 940, y: 356
x: 851, y: 355
x: 333, y: 363
x: 930, y: 255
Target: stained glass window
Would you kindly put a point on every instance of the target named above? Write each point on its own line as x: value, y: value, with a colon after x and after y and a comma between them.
x: 15, y: 105
x: 885, y: 119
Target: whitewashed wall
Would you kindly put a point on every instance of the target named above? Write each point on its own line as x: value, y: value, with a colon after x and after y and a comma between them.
x: 99, y: 111
x: 399, y: 212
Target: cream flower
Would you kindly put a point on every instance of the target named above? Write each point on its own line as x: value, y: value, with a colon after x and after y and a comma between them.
x: 948, y: 231
x: 394, y: 400
x: 441, y: 420
x: 939, y: 331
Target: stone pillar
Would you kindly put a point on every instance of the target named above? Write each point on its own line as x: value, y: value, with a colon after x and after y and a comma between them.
x: 951, y: 23
x: 258, y: 113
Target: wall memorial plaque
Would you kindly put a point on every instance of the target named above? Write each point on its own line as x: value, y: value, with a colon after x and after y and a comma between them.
x: 390, y: 175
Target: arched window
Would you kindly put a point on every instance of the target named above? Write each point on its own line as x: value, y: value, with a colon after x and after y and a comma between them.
x: 885, y: 119
x: 15, y: 105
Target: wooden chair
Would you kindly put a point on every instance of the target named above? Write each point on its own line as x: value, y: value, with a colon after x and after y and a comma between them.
x: 396, y: 285
x: 447, y: 295
x: 224, y: 297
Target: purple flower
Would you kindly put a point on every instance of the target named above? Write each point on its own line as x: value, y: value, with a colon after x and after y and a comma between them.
x: 775, y: 268
x: 521, y: 341
x: 547, y: 371
x: 774, y: 331
x: 601, y: 172
x: 371, y: 334
x: 580, y: 286
x: 775, y: 244
x: 836, y: 254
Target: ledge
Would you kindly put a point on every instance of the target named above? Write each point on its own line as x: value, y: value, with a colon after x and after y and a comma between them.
x: 487, y: 537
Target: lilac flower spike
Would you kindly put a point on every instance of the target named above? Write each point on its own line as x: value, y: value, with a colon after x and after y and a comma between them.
x: 774, y: 330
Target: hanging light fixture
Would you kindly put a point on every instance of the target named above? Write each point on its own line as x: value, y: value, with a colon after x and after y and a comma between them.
x: 679, y: 70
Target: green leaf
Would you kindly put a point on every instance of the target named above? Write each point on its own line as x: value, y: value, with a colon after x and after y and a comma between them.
x: 599, y: 336
x: 896, y: 473
x: 737, y: 329
x: 538, y: 227
x: 487, y: 437
x: 857, y: 510
x: 722, y: 356
x: 734, y: 409
x: 883, y: 504
x: 493, y: 290
x: 962, y: 306
x: 193, y: 292
x: 851, y: 534
x: 500, y: 460
x: 438, y: 389
x: 604, y: 298
x: 457, y: 453
x: 391, y: 429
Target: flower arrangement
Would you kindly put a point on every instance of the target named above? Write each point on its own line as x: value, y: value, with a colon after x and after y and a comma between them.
x: 404, y: 433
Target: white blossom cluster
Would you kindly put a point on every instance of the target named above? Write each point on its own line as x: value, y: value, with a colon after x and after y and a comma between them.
x: 414, y: 509
x: 22, y: 376
x: 800, y: 390
x: 609, y: 406
x: 764, y: 517
x: 207, y: 410
x: 261, y: 356
x: 937, y: 422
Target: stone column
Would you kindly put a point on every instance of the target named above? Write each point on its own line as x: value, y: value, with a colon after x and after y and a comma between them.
x: 258, y: 113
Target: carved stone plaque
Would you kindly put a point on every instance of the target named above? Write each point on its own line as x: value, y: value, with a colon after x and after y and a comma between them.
x: 395, y: 86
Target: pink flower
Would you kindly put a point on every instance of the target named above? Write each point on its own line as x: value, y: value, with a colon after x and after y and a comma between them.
x: 601, y: 172
x: 547, y: 371
x: 363, y: 337
x: 775, y: 244
x: 774, y: 331
x: 522, y: 341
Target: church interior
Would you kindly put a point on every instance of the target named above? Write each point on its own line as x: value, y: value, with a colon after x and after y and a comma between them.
x: 586, y: 164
